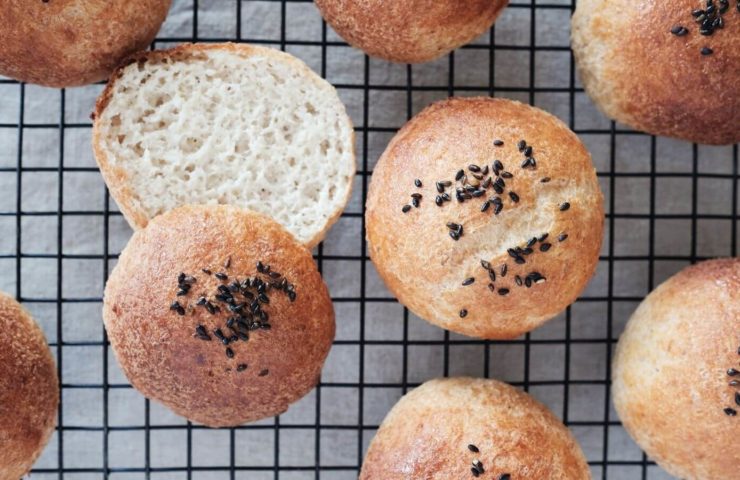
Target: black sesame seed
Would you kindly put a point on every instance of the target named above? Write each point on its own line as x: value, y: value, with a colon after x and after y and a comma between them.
x: 417, y: 182
x: 679, y: 30
x: 528, y: 282
x: 491, y: 287
x: 497, y: 166
x: 514, y: 197
x: 478, y: 193
x: 206, y: 271
x: 453, y: 226
x: 498, y: 206
x: 706, y: 51
x: 532, y: 241
x: 544, y: 179
x: 504, y: 269
x: 485, y: 264
x: 564, y: 206
x: 504, y: 476
x: 562, y: 237
x: 468, y: 281
x: 498, y: 143
x: 485, y: 206
x: 732, y: 372
x: 519, y: 260
x: 503, y: 291
x: 416, y: 195
x: 518, y: 280
x: 264, y: 372
x: 737, y: 398
x: 528, y: 151
x: 438, y: 200
x: 474, y: 471
x: 697, y: 12
x: 479, y: 465
x: 472, y: 447
x: 406, y: 208
x: 459, y: 175
x: 473, y: 168
x: 229, y: 352
x: 734, y: 383
x: 181, y: 292
x: 454, y: 235
x: 415, y: 202
x: 521, y: 145
x: 485, y: 170
x: 221, y: 276
x: 440, y: 187
x: 463, y: 313
x: 241, y: 367
x: 730, y: 412
x: 545, y: 247
x: 507, y: 175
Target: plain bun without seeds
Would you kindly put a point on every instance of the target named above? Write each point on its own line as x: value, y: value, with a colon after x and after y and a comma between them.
x: 484, y: 216
x: 64, y: 43
x: 448, y: 427
x: 410, y: 31
x: 663, y: 67
x: 29, y: 390
x: 219, y: 314
x: 676, y: 372
x: 225, y: 124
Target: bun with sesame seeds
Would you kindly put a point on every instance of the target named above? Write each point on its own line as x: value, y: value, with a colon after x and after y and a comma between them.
x: 676, y: 372
x: 219, y: 314
x: 504, y: 231
x: 29, y: 390
x: 666, y: 68
x: 64, y: 43
x: 411, y: 31
x: 461, y: 428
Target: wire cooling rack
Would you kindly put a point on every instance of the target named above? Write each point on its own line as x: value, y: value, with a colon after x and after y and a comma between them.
x: 668, y: 204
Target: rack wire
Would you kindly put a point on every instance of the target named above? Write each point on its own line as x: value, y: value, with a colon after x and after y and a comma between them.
x: 668, y: 204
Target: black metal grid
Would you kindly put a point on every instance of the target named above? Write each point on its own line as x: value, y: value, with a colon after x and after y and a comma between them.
x: 59, y: 311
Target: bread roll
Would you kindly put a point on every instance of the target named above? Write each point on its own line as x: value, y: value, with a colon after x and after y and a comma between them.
x: 411, y: 31
x: 215, y: 351
x: 63, y: 43
x: 446, y: 428
x: 29, y: 390
x: 517, y: 249
x: 675, y: 374
x: 225, y: 124
x: 648, y: 65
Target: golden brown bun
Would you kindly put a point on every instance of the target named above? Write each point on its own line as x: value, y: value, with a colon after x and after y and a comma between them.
x: 63, y: 43
x: 427, y: 433
x: 425, y: 268
x: 157, y: 347
x: 670, y: 374
x: 29, y: 390
x: 411, y: 31
x: 641, y: 74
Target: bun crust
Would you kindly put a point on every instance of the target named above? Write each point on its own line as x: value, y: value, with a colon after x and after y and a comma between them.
x: 158, y: 349
x: 641, y: 74
x: 137, y: 209
x: 670, y: 380
x: 427, y: 433
x: 412, y: 31
x: 425, y: 268
x: 29, y: 390
x: 64, y: 43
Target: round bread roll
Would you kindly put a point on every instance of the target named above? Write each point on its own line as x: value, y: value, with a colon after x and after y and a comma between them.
x: 453, y: 427
x: 29, y: 390
x: 227, y: 124
x: 412, y: 31
x: 63, y: 43
x: 484, y: 216
x: 219, y: 314
x: 675, y: 374
x: 654, y: 67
